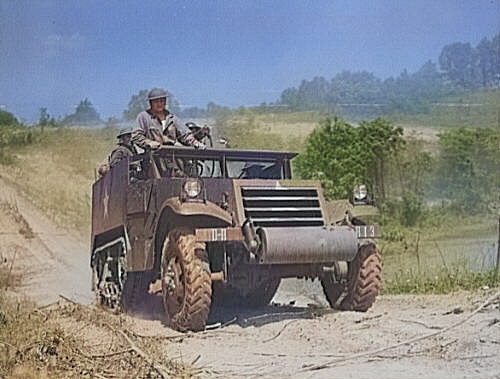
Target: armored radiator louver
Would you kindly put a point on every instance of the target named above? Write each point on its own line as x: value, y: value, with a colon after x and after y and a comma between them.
x: 282, y: 207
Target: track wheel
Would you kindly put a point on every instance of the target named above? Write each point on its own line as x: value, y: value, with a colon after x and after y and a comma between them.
x: 364, y: 279
x: 186, y: 282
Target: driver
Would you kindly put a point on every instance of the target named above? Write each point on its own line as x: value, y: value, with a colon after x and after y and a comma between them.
x: 157, y: 126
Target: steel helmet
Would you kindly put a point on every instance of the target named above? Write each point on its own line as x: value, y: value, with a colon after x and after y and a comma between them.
x: 123, y: 132
x: 157, y: 93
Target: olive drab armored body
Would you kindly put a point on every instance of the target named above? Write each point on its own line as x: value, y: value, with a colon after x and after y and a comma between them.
x: 199, y: 227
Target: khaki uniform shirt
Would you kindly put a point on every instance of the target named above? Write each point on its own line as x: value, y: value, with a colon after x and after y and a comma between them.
x: 168, y: 132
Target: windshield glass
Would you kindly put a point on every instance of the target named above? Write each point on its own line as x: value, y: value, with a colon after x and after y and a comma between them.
x: 223, y: 163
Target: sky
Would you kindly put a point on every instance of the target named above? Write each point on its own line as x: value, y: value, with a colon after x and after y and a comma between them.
x: 55, y: 53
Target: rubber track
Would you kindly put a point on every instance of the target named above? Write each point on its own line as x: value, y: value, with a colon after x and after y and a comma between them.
x: 193, y: 313
x: 365, y: 279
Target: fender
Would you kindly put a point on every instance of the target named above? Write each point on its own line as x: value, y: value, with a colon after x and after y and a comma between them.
x: 175, y: 213
x: 206, y: 208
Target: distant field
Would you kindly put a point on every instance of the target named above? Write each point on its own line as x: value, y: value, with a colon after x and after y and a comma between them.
x: 289, y: 131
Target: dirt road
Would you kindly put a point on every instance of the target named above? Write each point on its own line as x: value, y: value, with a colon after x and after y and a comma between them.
x: 453, y: 336
x: 47, y: 261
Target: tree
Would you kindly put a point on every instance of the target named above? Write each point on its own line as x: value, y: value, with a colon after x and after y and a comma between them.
x: 7, y: 118
x: 472, y: 68
x: 488, y: 63
x: 139, y: 102
x: 342, y: 157
x: 335, y: 156
x: 410, y: 170
x: 458, y: 62
x: 468, y: 167
x: 45, y: 120
x: 85, y: 114
x: 380, y: 140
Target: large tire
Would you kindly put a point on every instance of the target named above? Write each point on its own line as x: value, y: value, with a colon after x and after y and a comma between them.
x: 363, y: 284
x: 186, y: 282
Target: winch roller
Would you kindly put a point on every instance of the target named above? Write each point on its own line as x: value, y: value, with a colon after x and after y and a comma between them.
x: 307, y: 244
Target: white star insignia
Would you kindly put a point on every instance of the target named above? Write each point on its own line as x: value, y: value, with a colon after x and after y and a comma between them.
x: 106, y: 202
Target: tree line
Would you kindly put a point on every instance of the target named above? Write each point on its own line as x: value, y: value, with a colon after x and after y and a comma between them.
x: 351, y: 95
x: 362, y: 95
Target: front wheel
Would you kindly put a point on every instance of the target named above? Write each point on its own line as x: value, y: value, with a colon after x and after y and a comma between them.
x: 186, y: 282
x: 363, y: 281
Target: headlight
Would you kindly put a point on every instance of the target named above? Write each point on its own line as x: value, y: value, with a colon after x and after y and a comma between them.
x: 192, y: 188
x: 360, y: 193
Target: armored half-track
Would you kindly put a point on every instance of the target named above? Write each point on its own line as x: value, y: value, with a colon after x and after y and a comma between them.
x: 222, y: 226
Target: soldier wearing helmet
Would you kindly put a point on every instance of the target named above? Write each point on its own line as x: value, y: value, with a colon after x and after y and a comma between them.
x: 124, y: 149
x: 156, y: 126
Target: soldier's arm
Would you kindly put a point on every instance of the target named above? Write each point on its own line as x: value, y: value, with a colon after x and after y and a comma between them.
x: 186, y: 137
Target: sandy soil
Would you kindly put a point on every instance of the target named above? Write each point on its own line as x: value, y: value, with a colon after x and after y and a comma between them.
x: 298, y: 336
x: 48, y: 261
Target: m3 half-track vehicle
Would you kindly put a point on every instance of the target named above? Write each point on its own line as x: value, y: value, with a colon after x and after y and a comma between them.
x: 219, y: 226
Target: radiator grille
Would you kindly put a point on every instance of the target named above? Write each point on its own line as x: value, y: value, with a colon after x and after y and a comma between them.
x: 281, y: 207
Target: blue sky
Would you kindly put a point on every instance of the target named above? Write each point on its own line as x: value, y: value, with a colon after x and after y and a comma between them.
x: 55, y: 53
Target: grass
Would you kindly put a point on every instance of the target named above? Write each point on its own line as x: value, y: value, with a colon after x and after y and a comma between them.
x: 30, y: 344
x: 478, y: 110
x: 441, y: 256
x: 270, y: 131
x: 442, y: 281
x: 57, y: 172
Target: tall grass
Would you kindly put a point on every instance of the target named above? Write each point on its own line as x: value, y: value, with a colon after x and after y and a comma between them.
x: 444, y: 254
x: 57, y: 171
x: 268, y: 131
x: 478, y: 110
x: 441, y: 281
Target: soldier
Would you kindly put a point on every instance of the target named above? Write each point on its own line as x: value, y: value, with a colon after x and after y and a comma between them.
x: 157, y: 126
x: 124, y: 149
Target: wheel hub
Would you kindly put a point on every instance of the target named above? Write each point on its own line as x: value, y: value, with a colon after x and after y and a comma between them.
x: 169, y: 280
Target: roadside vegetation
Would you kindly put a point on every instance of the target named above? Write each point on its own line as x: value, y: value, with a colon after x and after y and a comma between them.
x: 438, y: 198
x: 53, y: 342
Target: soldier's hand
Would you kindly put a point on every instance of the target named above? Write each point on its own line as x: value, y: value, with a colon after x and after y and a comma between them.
x: 168, y: 141
x: 103, y: 169
x: 199, y: 145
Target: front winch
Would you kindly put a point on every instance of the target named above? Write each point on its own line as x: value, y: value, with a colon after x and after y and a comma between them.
x: 307, y: 245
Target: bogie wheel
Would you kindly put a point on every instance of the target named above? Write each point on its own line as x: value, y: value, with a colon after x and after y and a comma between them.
x: 186, y: 282
x: 364, y: 279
